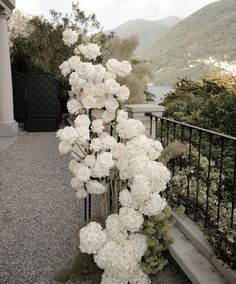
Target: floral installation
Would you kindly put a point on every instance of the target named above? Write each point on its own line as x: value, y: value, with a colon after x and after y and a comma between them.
x: 106, y: 145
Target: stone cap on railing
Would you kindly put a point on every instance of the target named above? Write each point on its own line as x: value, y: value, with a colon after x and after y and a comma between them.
x: 143, y: 108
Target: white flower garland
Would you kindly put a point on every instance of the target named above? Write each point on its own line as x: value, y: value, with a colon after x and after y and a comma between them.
x: 119, y: 247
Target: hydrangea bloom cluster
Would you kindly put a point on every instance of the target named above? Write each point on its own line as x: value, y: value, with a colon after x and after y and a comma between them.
x: 119, y: 247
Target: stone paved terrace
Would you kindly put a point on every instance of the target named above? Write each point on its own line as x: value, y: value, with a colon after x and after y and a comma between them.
x: 39, y: 214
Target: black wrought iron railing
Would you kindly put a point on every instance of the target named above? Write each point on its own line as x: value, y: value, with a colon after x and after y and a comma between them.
x: 204, y: 176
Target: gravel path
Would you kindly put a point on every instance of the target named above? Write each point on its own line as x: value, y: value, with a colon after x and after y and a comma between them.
x: 39, y: 214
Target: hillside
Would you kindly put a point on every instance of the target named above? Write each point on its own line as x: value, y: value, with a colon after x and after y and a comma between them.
x: 209, y: 32
x: 169, y: 21
x: 147, y: 31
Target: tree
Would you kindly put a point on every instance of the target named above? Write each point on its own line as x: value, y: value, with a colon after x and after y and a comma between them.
x: 41, y: 49
x: 207, y: 103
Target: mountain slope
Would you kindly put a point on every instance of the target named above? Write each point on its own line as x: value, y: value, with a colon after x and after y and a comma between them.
x: 147, y: 31
x: 169, y: 21
x: 210, y: 32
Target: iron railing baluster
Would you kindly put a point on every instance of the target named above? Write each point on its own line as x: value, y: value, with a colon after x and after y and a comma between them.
x: 198, y: 172
x: 189, y: 164
x: 208, y: 181
x: 219, y: 189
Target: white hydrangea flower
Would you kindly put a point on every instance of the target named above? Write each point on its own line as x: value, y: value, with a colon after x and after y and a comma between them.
x: 90, y: 161
x: 96, y: 144
x: 72, y: 165
x: 139, y: 145
x: 92, y: 238
x: 122, y: 69
x: 138, y: 277
x: 114, y: 258
x: 99, y: 74
x: 91, y: 89
x: 82, y: 173
x: 89, y: 102
x: 105, y: 160
x: 111, y: 104
x: 73, y: 62
x: 131, y: 219
x: 108, y: 278
x: 123, y: 94
x: 103, y: 165
x: 112, y: 87
x: 109, y: 75
x: 121, y: 115
x: 130, y: 128
x: 75, y: 81
x: 155, y: 150
x: 97, y: 126
x: 118, y: 151
x: 76, y: 183
x: 139, y: 242
x: 82, y: 121
x: 108, y: 142
x: 85, y: 70
x: 159, y: 176
x: 154, y: 205
x: 108, y: 116
x: 99, y: 172
x: 125, y: 69
x: 140, y: 164
x: 113, y: 65
x: 70, y: 37
x: 124, y: 167
x: 83, y: 135
x: 115, y: 229
x: 67, y: 134
x: 64, y: 147
x: 140, y: 189
x: 74, y: 106
x: 81, y: 193
x: 95, y: 187
x: 126, y: 200
x: 65, y: 68
x: 91, y: 51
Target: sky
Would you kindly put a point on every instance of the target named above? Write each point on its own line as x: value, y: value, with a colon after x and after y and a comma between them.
x: 112, y: 13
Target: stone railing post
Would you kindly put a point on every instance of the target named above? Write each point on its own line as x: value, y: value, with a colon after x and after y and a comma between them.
x: 137, y: 111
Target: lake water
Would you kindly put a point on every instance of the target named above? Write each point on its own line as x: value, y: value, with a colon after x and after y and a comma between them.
x: 160, y: 92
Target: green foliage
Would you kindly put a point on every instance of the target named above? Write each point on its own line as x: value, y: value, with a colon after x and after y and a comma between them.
x: 43, y: 49
x: 83, y: 268
x: 204, y: 104
x: 223, y: 240
x: 194, y: 177
x: 157, y: 230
